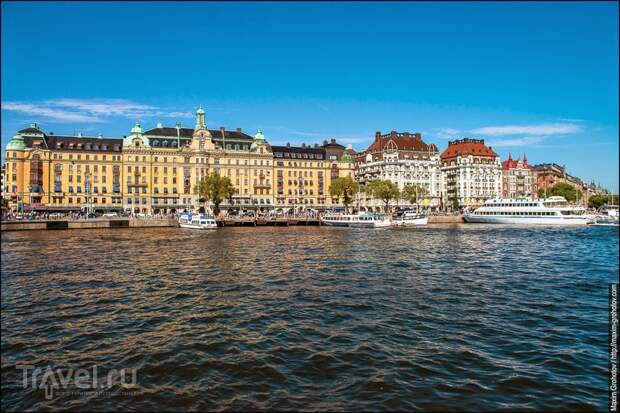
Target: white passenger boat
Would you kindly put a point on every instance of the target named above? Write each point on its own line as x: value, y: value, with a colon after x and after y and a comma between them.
x: 550, y: 211
x: 608, y: 217
x: 408, y: 218
x: 197, y: 221
x: 361, y: 220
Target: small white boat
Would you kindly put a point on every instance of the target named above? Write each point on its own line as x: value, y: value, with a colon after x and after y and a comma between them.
x: 550, y: 211
x: 197, y: 221
x: 408, y: 218
x: 361, y: 220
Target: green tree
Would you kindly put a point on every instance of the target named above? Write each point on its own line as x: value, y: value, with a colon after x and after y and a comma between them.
x: 345, y: 188
x: 413, y: 192
x: 597, y: 201
x: 215, y: 188
x: 564, y: 189
x: 383, y: 190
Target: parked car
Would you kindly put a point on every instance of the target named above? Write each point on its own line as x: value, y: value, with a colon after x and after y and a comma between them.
x: 110, y: 215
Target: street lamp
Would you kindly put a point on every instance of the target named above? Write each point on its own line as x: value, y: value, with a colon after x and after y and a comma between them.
x: 87, y: 192
x: 30, y: 197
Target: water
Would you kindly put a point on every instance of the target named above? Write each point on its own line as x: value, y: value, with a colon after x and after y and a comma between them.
x: 468, y: 317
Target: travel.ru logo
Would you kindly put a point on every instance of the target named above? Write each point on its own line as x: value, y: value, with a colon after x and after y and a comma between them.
x: 78, y: 381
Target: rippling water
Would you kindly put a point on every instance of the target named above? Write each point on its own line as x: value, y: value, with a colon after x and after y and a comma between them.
x: 468, y: 317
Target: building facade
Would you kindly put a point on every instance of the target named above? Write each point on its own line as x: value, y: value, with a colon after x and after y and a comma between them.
x: 303, y: 174
x: 518, y: 178
x: 471, y: 173
x: 157, y: 170
x: 404, y: 159
x: 547, y: 175
x: 46, y: 171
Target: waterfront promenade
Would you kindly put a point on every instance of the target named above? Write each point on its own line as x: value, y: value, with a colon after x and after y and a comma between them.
x: 168, y: 221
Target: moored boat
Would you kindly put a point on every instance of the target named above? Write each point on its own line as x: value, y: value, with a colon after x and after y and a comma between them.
x: 361, y: 220
x: 197, y: 221
x: 408, y: 218
x: 550, y: 211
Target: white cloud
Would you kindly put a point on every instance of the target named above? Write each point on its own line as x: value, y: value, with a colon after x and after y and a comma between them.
x: 59, y: 115
x: 95, y: 110
x: 542, y: 129
x: 445, y: 133
x: 524, y: 141
x: 571, y: 120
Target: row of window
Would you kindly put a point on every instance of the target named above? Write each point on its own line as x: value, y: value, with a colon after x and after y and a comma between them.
x: 517, y: 213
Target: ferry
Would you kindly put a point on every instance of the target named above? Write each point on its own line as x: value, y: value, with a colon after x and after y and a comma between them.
x: 361, y: 220
x: 550, y: 211
x: 197, y: 221
x: 408, y: 218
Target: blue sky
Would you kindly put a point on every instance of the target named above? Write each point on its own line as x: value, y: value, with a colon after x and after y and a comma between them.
x: 534, y: 78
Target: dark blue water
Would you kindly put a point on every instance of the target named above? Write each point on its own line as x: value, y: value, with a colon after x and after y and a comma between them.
x: 468, y: 317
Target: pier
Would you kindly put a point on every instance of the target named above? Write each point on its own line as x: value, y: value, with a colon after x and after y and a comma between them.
x: 171, y: 222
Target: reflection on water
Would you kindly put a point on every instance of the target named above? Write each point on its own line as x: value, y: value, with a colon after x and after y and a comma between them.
x: 471, y: 317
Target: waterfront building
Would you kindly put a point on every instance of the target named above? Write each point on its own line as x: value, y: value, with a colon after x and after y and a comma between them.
x: 156, y: 170
x: 303, y: 174
x: 167, y: 163
x: 471, y: 173
x: 62, y: 173
x: 518, y: 178
x: 549, y: 174
x: 404, y: 159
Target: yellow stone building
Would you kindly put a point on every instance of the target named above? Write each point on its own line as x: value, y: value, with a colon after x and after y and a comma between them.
x: 50, y: 172
x: 156, y: 170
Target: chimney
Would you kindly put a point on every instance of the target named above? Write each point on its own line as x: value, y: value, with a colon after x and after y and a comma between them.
x: 238, y: 130
x: 222, y: 130
x: 159, y: 125
x: 377, y: 136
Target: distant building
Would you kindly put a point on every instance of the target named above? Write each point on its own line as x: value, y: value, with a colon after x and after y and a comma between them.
x: 471, y: 173
x: 547, y: 175
x: 404, y: 159
x: 518, y: 178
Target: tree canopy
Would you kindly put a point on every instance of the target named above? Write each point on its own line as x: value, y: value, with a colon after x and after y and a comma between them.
x: 413, y: 192
x: 597, y: 201
x: 563, y: 189
x: 215, y: 188
x: 383, y: 190
x: 345, y: 188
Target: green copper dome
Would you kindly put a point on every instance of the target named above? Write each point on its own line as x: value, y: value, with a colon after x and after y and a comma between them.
x: 259, y: 139
x: 137, y: 129
x: 17, y: 143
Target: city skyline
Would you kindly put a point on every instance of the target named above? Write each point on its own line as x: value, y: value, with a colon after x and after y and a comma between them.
x: 546, y: 90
